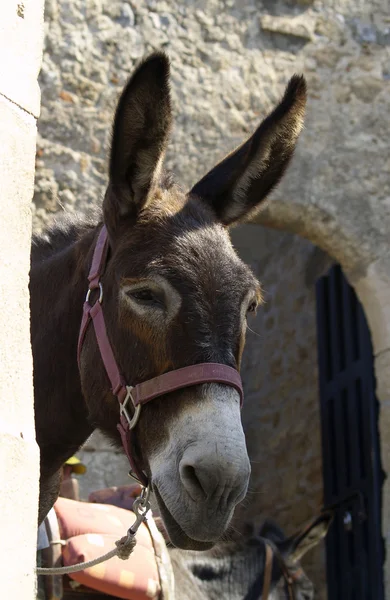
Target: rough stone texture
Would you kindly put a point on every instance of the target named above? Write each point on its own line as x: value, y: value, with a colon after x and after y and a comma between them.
x: 230, y: 63
x: 374, y: 291
x: 229, y: 66
x: 337, y: 193
x: 106, y: 466
x: 20, y: 47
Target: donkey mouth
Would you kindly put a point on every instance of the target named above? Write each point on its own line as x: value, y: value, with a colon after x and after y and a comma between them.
x: 176, y: 534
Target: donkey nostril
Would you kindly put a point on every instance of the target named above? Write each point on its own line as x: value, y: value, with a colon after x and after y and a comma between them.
x: 191, y: 482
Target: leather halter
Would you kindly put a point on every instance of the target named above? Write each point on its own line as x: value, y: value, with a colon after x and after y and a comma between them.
x: 288, y: 578
x: 148, y: 390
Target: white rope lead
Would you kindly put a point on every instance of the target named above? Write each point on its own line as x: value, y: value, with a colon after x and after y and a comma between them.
x: 124, y: 546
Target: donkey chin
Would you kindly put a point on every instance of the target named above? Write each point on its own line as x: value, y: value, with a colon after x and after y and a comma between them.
x: 202, y: 473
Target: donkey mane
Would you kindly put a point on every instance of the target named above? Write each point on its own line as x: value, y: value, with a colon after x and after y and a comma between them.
x: 67, y: 228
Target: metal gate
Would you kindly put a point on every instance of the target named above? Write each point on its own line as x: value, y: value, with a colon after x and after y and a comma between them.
x: 350, y: 443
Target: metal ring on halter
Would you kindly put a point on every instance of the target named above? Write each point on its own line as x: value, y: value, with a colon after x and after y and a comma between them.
x: 141, y: 503
x: 141, y: 507
x: 132, y: 421
x: 100, y: 300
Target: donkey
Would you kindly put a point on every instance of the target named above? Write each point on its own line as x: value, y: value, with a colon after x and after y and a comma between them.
x: 176, y: 297
x: 263, y: 566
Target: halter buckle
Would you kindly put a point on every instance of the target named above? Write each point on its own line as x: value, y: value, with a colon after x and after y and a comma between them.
x: 132, y: 420
x: 100, y: 299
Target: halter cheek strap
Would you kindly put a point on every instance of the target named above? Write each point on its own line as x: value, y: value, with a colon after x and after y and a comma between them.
x: 267, y: 572
x: 148, y: 390
x: 270, y: 552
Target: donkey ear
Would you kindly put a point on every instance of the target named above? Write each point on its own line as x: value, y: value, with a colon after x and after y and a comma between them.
x: 140, y: 134
x: 271, y: 531
x: 297, y: 545
x: 239, y: 183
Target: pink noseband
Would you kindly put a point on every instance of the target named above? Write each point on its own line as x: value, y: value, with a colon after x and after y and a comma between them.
x: 148, y: 390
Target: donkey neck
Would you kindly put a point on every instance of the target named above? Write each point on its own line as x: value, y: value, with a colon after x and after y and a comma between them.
x: 58, y: 283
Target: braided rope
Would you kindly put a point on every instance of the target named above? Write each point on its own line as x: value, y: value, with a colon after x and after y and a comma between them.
x: 124, y: 546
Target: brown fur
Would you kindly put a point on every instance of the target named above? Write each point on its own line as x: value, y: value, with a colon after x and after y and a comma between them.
x: 154, y: 228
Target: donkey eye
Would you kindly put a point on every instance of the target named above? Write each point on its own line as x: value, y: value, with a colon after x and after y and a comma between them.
x: 147, y: 297
x: 252, y: 307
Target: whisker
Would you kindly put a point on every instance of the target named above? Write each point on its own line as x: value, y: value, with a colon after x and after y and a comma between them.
x: 252, y: 331
x: 253, y: 493
x: 244, y: 503
x: 227, y: 536
x: 234, y: 529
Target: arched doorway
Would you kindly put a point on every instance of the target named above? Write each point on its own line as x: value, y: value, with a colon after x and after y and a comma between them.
x: 362, y: 249
x: 350, y: 442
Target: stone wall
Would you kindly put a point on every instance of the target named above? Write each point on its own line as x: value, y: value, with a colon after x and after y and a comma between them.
x: 281, y: 415
x: 21, y: 36
x: 230, y: 63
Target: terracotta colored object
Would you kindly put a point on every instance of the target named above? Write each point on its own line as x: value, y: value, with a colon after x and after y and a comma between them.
x: 91, y: 530
x: 122, y: 496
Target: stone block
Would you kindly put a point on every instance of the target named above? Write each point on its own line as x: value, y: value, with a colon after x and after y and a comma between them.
x: 373, y: 290
x: 19, y: 476
x: 382, y: 374
x: 299, y: 27
x: 104, y: 469
x: 19, y: 455
x: 21, y: 43
x: 17, y: 153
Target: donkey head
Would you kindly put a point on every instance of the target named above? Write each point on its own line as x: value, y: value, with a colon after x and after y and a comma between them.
x: 261, y: 565
x: 287, y: 554
x: 176, y: 294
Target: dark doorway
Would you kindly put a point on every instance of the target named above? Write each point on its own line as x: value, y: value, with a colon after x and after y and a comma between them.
x: 350, y: 443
